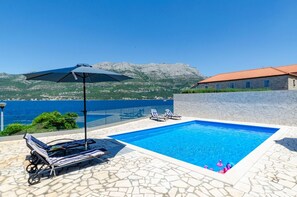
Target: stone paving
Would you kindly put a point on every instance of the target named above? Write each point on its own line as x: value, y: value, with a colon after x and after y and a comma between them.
x: 127, y: 172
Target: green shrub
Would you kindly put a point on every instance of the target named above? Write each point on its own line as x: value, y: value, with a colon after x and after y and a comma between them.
x: 47, y: 121
x: 13, y: 129
x: 55, y: 121
x: 210, y: 90
x: 70, y: 120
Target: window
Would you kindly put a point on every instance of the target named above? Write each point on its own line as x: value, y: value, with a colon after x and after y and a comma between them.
x: 218, y: 86
x: 294, y: 84
x: 206, y: 87
x: 231, y: 85
x: 266, y: 84
x: 248, y: 84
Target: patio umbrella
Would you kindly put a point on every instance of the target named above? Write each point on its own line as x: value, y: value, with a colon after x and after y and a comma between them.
x: 80, y: 73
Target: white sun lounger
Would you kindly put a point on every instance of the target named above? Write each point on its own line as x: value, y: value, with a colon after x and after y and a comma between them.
x: 171, y: 115
x: 156, y: 116
x: 50, y: 164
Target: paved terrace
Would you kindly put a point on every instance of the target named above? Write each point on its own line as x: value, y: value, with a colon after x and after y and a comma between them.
x: 131, y: 172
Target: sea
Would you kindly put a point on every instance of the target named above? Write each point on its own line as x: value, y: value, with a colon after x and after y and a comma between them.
x: 100, y: 112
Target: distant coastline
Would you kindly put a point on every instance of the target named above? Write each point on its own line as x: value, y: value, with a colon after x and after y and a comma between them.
x: 104, y: 110
x: 150, y: 81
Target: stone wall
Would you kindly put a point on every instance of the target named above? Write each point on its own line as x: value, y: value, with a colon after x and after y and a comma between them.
x: 271, y: 107
x: 275, y: 83
x: 292, y: 83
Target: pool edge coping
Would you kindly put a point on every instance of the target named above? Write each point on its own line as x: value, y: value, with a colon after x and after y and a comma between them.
x: 233, y: 175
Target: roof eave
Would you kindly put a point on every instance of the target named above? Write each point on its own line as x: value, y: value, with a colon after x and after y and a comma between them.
x: 202, y: 82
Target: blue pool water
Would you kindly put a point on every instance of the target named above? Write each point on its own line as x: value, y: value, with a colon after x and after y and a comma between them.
x: 200, y: 142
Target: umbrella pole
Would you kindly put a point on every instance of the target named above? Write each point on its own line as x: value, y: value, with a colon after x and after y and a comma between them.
x: 85, y: 112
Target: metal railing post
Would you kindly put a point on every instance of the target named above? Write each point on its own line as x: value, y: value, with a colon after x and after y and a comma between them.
x: 2, y: 105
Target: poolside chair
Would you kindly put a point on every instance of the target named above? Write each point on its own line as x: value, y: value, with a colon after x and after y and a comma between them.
x: 62, y: 146
x: 71, y: 143
x: 171, y: 115
x: 51, y: 164
x: 156, y: 116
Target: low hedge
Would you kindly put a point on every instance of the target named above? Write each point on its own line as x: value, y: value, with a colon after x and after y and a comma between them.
x: 210, y: 90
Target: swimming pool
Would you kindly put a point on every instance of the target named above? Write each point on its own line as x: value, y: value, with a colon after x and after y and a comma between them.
x: 201, y: 143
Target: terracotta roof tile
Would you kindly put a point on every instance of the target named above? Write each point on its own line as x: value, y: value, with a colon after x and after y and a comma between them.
x: 255, y: 73
x: 288, y: 69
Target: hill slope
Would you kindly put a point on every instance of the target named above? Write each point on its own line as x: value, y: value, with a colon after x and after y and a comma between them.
x: 151, y: 81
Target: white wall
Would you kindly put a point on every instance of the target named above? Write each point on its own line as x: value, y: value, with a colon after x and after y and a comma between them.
x: 272, y: 107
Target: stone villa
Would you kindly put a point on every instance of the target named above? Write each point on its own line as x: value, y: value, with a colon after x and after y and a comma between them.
x: 274, y: 78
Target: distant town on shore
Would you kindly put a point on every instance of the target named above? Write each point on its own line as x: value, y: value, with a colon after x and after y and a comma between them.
x: 150, y: 81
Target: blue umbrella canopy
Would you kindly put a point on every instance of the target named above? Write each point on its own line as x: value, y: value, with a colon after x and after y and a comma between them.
x: 83, y: 73
x: 78, y: 73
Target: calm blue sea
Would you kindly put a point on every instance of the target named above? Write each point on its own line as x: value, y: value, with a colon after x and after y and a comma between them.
x: 99, y: 111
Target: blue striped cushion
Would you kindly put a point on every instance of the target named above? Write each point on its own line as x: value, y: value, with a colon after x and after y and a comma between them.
x: 38, y: 149
x: 36, y: 141
x: 61, y: 161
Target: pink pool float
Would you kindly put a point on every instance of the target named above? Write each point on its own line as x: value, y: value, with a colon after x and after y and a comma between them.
x: 225, y: 169
x: 220, y: 163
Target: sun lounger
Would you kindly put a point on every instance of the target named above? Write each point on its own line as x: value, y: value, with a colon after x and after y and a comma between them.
x: 156, y: 116
x: 50, y: 164
x: 171, y: 115
x: 71, y: 143
x: 52, y: 149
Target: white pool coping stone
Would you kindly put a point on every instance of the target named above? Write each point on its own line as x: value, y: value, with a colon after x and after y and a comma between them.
x: 234, y: 174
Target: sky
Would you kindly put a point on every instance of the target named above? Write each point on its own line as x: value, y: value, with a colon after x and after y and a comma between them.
x: 214, y: 36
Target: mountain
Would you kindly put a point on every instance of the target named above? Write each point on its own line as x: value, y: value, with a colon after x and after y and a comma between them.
x: 150, y: 81
x: 144, y: 71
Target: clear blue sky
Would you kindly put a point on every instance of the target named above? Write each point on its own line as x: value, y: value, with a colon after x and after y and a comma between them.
x: 214, y: 36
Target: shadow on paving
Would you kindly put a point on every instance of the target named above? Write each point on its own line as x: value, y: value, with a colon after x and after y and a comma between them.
x: 289, y: 143
x: 112, y: 146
